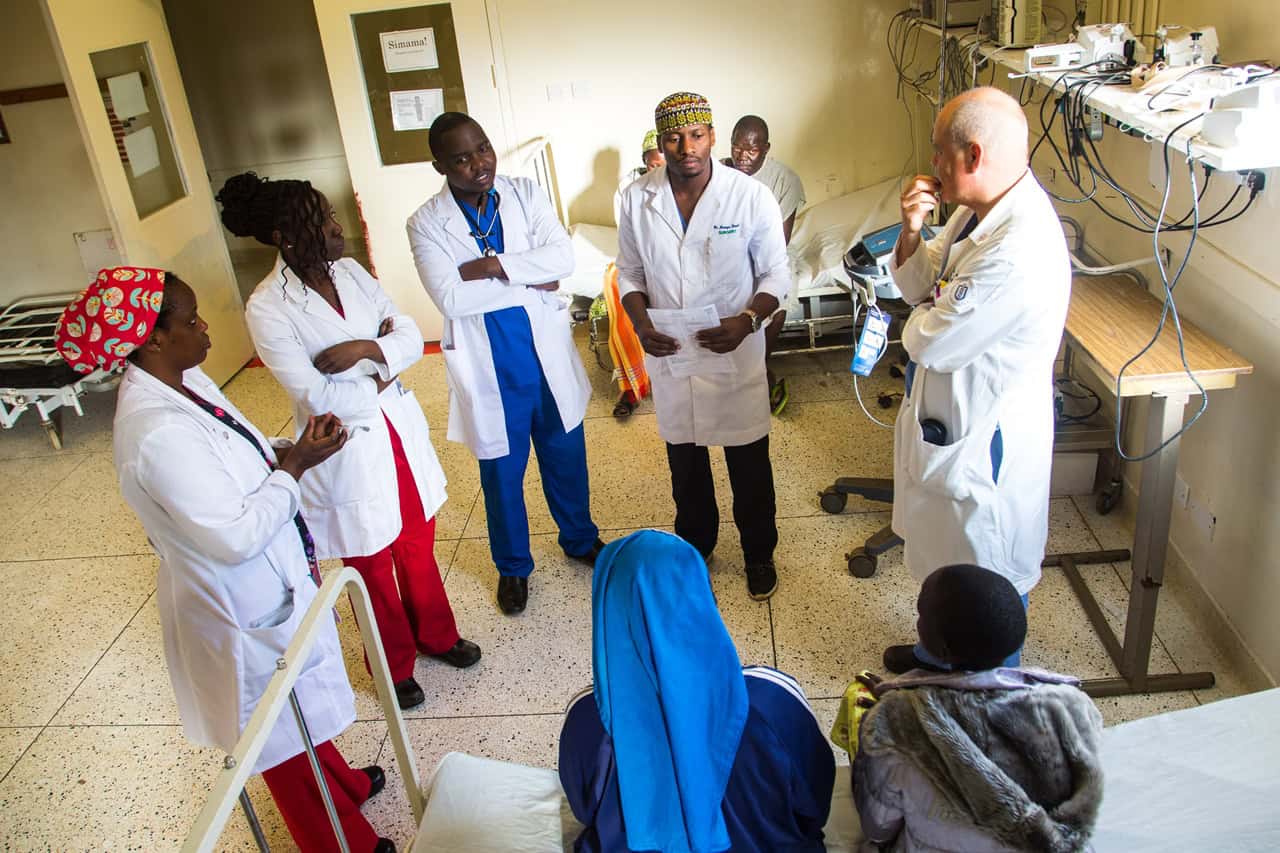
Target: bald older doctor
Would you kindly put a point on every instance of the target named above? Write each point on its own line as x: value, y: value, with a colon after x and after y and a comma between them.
x: 974, y: 438
x: 694, y: 234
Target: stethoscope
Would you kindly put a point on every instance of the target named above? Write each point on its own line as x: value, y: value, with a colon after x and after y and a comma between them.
x: 474, y: 222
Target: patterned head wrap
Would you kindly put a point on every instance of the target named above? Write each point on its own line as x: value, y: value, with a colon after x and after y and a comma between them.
x: 110, y: 319
x: 683, y: 109
x: 650, y: 143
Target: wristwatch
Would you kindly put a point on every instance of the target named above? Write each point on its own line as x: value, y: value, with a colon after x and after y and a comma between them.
x: 753, y: 317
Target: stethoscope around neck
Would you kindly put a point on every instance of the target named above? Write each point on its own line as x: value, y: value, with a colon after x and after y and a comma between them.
x: 474, y: 223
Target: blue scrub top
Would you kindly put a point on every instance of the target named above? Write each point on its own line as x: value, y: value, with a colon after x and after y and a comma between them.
x: 779, y: 792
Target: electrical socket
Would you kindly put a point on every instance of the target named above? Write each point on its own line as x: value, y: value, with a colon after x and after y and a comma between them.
x: 1181, y: 491
x: 1204, y: 520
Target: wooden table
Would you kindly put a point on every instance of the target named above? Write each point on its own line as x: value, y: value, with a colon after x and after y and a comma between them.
x: 1110, y: 320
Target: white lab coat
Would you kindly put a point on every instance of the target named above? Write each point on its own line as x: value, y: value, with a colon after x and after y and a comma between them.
x: 234, y: 582
x: 732, y: 250
x: 350, y: 501
x: 984, y: 350
x: 538, y: 251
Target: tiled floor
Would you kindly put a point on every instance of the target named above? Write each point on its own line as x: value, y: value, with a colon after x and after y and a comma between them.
x: 91, y: 754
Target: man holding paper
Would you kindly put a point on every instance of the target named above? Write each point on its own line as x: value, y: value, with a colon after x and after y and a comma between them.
x: 702, y: 265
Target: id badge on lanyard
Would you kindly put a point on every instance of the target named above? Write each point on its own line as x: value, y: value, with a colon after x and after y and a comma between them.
x: 871, y: 343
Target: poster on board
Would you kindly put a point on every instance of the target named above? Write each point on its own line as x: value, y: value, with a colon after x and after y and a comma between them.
x: 409, y: 50
x: 415, y: 109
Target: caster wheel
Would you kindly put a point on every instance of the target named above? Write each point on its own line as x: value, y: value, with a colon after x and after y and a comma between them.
x: 833, y: 501
x: 1108, y: 499
x: 885, y: 401
x: 861, y: 564
x: 896, y: 372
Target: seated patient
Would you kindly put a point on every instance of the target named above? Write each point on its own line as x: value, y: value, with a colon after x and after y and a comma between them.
x: 982, y: 758
x: 680, y: 748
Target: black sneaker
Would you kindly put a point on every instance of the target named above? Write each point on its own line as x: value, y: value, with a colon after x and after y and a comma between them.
x: 762, y: 580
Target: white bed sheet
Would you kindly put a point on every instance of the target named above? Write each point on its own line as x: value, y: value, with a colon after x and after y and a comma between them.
x: 1205, y: 778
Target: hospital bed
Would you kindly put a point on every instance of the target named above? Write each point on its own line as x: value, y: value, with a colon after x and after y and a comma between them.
x: 1196, y: 779
x: 820, y: 313
x: 32, y: 373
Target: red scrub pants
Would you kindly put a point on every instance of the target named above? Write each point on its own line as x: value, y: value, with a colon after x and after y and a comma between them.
x: 417, y: 616
x: 293, y: 787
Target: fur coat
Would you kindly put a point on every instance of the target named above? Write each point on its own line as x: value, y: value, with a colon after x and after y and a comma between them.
x: 1005, y: 760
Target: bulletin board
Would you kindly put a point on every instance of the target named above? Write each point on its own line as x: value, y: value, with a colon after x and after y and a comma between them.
x: 412, y: 73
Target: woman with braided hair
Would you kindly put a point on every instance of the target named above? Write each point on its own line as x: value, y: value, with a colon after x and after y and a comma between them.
x: 332, y: 338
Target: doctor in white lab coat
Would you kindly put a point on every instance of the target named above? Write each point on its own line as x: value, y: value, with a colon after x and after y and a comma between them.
x: 220, y: 506
x: 335, y: 342
x: 695, y: 233
x: 974, y: 438
x: 490, y: 252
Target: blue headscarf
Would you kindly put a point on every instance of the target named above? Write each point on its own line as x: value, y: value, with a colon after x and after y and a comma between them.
x: 669, y: 687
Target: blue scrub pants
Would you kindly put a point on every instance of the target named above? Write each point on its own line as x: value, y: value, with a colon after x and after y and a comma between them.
x: 530, y: 413
x: 1012, y: 661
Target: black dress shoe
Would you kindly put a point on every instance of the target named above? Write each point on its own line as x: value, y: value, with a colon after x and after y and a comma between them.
x: 762, y: 580
x: 409, y: 694
x: 900, y: 659
x: 513, y: 594
x: 384, y: 845
x: 588, y: 558
x: 377, y: 779
x: 463, y: 654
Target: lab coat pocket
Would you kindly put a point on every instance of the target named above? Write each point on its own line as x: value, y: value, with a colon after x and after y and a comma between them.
x: 263, y: 643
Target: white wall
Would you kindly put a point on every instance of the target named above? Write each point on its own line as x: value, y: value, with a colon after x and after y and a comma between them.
x: 47, y: 188
x: 816, y: 70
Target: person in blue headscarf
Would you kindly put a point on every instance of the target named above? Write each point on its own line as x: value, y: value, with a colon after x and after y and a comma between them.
x: 678, y: 748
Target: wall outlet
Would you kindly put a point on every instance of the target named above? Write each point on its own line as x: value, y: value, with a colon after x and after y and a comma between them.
x: 556, y: 92
x: 581, y: 89
x: 1181, y: 492
x: 1204, y: 520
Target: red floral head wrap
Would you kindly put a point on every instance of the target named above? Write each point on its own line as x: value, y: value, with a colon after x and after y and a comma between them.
x: 110, y: 319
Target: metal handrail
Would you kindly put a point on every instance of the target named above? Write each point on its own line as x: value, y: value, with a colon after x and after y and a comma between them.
x: 238, y: 766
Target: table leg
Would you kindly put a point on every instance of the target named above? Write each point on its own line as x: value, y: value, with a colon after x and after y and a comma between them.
x: 1150, y: 547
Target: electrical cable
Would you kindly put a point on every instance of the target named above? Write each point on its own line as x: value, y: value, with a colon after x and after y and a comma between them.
x: 1170, y: 306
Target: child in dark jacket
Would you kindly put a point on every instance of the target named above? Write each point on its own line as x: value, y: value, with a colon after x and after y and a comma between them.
x: 980, y: 758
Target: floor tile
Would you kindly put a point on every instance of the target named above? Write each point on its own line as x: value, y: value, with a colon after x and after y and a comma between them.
x: 1122, y: 709
x: 829, y: 625
x: 526, y: 739
x: 463, y: 475
x: 64, y: 615
x: 130, y: 685
x: 67, y: 789
x: 28, y: 481
x: 14, y: 742
x: 260, y: 398
x: 57, y: 527
x: 532, y: 663
x: 87, y: 433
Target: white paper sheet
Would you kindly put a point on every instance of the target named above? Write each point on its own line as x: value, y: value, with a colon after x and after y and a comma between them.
x: 409, y: 50
x: 144, y: 155
x: 692, y: 359
x: 415, y: 109
x: 127, y: 97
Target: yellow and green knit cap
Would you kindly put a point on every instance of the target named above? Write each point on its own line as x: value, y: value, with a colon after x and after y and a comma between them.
x: 650, y: 143
x: 683, y: 109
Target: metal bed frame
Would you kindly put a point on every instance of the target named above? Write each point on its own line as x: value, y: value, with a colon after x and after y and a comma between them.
x: 33, y: 374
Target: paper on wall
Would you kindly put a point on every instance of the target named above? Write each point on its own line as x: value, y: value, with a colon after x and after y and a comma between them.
x: 691, y: 359
x: 415, y: 109
x: 409, y: 50
x: 143, y: 153
x: 127, y: 96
